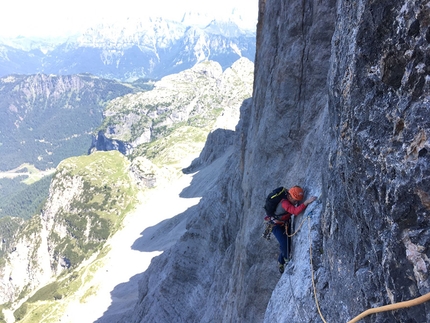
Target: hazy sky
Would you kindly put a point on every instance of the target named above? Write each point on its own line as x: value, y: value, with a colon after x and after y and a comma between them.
x: 58, y: 17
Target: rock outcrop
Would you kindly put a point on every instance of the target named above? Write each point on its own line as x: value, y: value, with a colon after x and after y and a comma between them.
x: 101, y: 143
x: 89, y: 197
x: 340, y: 107
x: 197, y: 97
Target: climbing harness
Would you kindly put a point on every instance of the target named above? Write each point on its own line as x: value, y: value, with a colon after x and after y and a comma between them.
x: 267, y: 230
x: 312, y: 272
x: 268, y: 226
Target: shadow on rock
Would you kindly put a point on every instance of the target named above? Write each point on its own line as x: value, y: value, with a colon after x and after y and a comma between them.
x: 159, y: 237
x: 123, y: 300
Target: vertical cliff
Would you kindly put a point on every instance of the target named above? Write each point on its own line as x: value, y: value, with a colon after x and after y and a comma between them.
x: 350, y: 82
x: 376, y: 220
x: 340, y: 107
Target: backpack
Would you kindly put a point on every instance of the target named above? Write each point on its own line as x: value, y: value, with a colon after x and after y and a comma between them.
x: 272, y: 201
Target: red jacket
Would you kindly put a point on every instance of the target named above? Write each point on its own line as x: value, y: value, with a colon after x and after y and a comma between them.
x: 290, y: 209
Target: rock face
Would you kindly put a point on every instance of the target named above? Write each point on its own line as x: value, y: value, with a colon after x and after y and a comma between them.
x: 375, y: 193
x: 215, y: 146
x: 340, y: 107
x: 101, y: 143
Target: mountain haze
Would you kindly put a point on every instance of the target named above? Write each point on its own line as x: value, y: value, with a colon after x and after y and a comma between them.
x: 148, y: 47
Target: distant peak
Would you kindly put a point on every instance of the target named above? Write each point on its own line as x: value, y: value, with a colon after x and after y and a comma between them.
x: 226, y: 28
x: 196, y: 19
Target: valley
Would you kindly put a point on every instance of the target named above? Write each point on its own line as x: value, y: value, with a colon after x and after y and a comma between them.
x: 106, y: 285
x: 82, y: 244
x: 31, y: 173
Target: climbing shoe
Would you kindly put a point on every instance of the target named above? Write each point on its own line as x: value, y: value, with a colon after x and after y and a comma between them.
x: 281, y: 268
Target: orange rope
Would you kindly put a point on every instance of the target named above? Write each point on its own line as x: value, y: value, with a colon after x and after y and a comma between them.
x: 290, y: 235
x: 391, y: 307
x: 312, y: 271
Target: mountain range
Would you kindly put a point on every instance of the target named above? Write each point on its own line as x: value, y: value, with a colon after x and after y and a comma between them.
x: 89, y: 95
x: 126, y: 51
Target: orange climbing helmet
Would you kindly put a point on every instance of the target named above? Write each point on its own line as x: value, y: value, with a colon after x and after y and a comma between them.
x: 296, y: 193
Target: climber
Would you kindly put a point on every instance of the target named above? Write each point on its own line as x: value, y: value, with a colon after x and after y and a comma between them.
x: 287, y: 207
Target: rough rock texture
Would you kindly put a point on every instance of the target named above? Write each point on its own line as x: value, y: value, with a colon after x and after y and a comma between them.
x: 341, y: 107
x: 379, y: 177
x: 370, y: 244
x: 102, y: 143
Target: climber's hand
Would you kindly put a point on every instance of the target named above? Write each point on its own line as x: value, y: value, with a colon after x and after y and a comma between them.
x: 310, y: 200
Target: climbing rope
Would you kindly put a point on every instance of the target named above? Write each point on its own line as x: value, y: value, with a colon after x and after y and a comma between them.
x: 308, y: 217
x: 268, y: 230
x: 413, y: 302
x: 392, y: 307
x: 312, y: 271
x: 291, y: 235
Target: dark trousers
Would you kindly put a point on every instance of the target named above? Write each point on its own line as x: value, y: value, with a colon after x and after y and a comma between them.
x: 284, y: 242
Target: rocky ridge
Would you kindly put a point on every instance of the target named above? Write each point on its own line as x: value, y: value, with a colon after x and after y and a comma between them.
x: 89, y: 197
x: 179, y: 111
